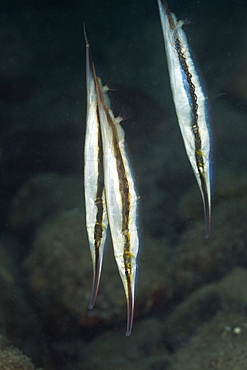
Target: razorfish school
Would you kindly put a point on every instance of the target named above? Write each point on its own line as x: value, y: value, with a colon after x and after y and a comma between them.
x: 111, y: 196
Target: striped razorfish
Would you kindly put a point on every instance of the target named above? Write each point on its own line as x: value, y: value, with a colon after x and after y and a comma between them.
x: 96, y: 214
x: 121, y: 195
x: 191, y: 104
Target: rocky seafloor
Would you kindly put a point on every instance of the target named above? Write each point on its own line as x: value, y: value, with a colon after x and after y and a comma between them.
x: 191, y: 301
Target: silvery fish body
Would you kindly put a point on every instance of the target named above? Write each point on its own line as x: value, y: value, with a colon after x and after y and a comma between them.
x: 122, y: 204
x: 191, y: 104
x: 96, y: 214
x: 114, y: 182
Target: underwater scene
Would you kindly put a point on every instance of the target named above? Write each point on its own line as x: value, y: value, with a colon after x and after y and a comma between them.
x: 123, y: 185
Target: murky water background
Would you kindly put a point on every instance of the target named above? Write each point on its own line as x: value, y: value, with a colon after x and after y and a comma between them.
x: 191, y: 297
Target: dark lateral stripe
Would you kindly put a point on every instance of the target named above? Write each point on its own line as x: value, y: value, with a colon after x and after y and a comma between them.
x: 169, y: 15
x: 184, y: 66
x: 125, y: 195
x: 99, y: 203
x: 192, y: 93
x: 123, y: 181
x: 193, y: 97
x: 98, y: 229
